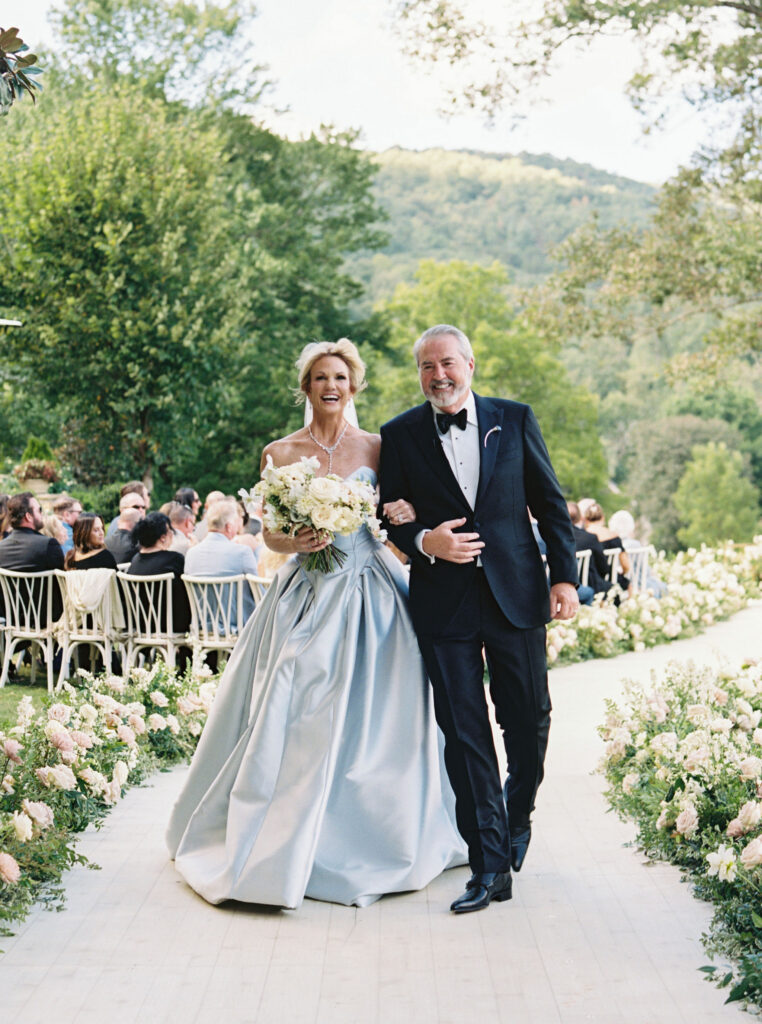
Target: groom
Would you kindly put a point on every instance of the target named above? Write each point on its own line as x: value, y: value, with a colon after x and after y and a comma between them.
x: 471, y: 467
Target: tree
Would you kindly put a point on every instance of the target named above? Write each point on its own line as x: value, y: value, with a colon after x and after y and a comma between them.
x: 715, y: 500
x: 193, y: 50
x: 661, y: 449
x: 512, y: 361
x: 128, y: 254
x: 712, y: 48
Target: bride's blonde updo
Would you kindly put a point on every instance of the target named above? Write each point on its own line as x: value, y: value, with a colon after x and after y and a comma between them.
x: 343, y: 349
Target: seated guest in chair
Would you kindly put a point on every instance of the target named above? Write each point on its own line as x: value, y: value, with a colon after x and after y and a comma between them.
x: 120, y: 542
x: 154, y: 537
x: 596, y: 523
x: 89, y: 551
x: 25, y: 549
x: 139, y: 499
x: 183, y: 524
x: 219, y: 555
x: 584, y: 541
x: 68, y: 511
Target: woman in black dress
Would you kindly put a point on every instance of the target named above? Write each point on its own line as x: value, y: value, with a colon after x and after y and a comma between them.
x: 89, y: 551
x: 154, y: 535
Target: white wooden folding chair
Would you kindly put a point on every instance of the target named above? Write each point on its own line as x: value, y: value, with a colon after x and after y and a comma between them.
x: 218, y: 611
x: 612, y: 557
x: 639, y: 566
x: 258, y: 586
x: 147, y: 602
x: 583, y: 566
x: 28, y: 612
x: 100, y: 627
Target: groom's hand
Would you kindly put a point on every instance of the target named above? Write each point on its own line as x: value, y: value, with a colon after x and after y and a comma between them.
x: 441, y: 542
x: 564, y: 602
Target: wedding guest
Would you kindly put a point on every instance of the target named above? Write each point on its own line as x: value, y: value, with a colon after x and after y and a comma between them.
x: 25, y: 549
x: 142, y: 502
x: 154, y: 536
x: 598, y: 566
x: 201, y: 526
x: 53, y: 527
x: 623, y: 524
x: 596, y: 523
x: 183, y: 523
x: 120, y: 542
x: 89, y: 551
x: 188, y: 496
x: 219, y: 555
x: 68, y: 511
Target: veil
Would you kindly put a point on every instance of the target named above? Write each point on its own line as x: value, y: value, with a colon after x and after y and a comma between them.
x: 350, y: 413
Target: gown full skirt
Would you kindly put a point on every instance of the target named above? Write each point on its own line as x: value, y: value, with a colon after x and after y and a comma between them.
x: 320, y: 772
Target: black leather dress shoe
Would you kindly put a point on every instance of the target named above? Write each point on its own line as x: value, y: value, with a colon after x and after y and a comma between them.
x: 488, y: 887
x: 520, y: 837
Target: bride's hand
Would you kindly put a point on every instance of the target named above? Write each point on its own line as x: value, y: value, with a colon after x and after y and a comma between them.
x: 399, y: 511
x: 306, y: 540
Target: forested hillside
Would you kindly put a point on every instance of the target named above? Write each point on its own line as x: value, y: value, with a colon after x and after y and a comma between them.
x: 482, y: 207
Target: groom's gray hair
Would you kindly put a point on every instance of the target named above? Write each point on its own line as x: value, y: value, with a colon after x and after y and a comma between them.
x: 434, y: 332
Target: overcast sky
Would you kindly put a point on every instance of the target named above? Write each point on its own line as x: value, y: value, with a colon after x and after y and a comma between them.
x: 337, y: 62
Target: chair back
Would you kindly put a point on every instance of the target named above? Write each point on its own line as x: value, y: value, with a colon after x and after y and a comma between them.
x: 98, y: 621
x: 28, y: 601
x: 639, y: 566
x: 583, y: 566
x: 217, y: 607
x: 148, y: 604
x: 612, y: 557
x: 258, y: 586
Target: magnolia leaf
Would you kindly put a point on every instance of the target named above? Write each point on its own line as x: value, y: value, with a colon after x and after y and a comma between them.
x: 756, y: 919
x: 738, y: 991
x: 7, y: 38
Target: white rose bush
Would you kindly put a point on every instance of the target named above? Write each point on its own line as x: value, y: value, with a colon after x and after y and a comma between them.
x: 293, y: 496
x: 65, y: 767
x: 683, y: 760
x: 704, y: 586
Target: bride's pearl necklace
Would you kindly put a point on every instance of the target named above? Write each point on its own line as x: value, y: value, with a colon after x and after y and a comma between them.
x: 329, y: 451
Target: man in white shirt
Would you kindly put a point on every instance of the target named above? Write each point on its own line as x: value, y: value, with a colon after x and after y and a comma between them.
x: 471, y: 466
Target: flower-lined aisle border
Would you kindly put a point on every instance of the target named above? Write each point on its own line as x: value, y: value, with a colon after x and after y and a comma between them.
x: 67, y: 767
x: 684, y: 762
x: 703, y: 587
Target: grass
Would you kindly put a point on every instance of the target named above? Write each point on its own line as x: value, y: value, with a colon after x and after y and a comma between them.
x: 11, y: 694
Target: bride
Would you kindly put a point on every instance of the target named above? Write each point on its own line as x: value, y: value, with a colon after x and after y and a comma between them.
x: 319, y: 771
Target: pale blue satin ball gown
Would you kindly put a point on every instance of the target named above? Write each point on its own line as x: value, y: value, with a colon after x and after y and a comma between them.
x: 320, y: 771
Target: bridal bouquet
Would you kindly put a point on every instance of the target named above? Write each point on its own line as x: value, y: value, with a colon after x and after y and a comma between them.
x: 293, y: 496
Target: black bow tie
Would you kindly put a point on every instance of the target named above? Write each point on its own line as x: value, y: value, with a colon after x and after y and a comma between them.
x: 446, y: 419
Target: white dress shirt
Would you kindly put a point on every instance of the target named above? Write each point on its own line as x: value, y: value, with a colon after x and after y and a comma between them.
x: 461, y: 448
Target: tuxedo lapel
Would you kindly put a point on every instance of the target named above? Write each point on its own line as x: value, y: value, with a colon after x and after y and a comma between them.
x: 424, y: 433
x: 490, y: 417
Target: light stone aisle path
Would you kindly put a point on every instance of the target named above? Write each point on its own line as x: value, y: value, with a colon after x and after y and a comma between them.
x: 592, y: 934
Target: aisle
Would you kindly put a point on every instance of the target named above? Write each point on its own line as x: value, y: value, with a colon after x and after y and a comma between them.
x: 592, y: 934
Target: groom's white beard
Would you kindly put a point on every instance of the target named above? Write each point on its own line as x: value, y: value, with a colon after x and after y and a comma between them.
x: 440, y: 401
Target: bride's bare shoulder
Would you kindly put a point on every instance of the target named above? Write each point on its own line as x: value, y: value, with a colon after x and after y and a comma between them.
x: 286, y: 449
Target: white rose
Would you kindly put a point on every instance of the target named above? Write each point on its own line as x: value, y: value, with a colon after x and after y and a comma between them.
x: 629, y: 782
x: 750, y: 815
x: 22, y: 826
x: 687, y: 822
x: 156, y: 723
x: 751, y: 767
x: 751, y: 855
x: 159, y: 699
x: 121, y: 772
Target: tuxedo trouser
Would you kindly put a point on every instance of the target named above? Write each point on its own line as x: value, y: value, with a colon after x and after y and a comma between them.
x: 519, y: 690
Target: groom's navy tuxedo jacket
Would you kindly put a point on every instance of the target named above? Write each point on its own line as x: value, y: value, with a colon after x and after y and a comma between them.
x: 515, y: 472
